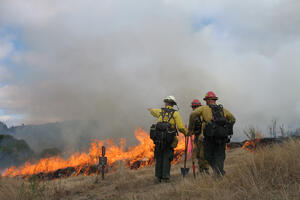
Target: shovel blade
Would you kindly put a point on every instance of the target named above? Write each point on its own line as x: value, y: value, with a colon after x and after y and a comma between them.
x: 184, y: 171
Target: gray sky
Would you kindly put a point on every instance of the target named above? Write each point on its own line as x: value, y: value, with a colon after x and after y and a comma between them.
x: 110, y: 60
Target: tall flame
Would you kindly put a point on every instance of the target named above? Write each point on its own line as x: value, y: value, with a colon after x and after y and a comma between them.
x: 141, y: 152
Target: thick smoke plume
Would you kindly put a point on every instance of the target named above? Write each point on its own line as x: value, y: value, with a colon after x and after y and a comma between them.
x: 110, y: 60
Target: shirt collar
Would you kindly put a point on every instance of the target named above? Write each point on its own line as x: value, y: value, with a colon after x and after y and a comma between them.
x: 169, y: 107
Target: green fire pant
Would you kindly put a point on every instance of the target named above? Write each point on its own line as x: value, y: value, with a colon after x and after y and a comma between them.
x: 214, y: 153
x: 198, y: 152
x: 163, y: 160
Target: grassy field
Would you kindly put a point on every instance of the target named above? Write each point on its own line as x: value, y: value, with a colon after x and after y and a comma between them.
x: 269, y: 173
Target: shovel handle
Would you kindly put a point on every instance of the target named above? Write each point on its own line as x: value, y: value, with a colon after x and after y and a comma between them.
x: 194, y: 170
x: 185, y: 150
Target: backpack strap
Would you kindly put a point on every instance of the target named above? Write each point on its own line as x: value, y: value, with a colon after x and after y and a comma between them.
x: 163, y: 114
x: 170, y: 113
x: 217, y: 111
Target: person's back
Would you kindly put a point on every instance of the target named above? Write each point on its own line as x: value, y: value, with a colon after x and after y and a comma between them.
x: 207, y: 115
x: 216, y: 129
x: 175, y: 120
x: 198, y: 150
x: 164, y: 137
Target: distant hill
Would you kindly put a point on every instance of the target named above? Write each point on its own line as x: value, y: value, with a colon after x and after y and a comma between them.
x: 31, y: 142
x: 3, y: 128
x: 13, y: 151
x: 68, y: 136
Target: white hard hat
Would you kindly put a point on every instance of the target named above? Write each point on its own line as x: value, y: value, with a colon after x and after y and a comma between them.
x: 170, y: 99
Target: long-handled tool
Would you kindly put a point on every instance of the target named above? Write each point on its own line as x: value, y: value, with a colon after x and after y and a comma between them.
x: 185, y: 170
x: 194, y: 171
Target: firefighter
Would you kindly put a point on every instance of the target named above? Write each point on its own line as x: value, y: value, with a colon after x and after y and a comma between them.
x: 165, y: 139
x: 217, y: 128
x: 198, y: 151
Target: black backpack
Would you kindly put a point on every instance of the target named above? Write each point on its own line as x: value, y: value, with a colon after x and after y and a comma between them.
x: 162, y: 133
x: 218, y: 127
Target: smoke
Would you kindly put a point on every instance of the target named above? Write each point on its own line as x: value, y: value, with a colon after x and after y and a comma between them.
x: 110, y: 60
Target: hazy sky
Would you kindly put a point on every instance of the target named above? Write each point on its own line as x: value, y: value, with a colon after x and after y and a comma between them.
x: 109, y: 60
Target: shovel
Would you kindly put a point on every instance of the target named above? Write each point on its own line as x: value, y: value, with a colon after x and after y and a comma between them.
x: 185, y: 170
x: 192, y: 143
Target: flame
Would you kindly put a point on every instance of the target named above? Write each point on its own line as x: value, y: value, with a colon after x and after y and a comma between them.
x: 251, y: 145
x: 143, y: 153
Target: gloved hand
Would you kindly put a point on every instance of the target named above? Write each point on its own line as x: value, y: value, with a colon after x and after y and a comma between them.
x: 189, y: 133
x: 201, y: 138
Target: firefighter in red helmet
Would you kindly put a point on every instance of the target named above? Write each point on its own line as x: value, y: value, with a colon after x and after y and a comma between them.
x: 217, y: 128
x: 198, y: 151
x: 195, y: 104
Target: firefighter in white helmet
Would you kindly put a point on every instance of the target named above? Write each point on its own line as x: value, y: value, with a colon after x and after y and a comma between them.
x: 164, y: 135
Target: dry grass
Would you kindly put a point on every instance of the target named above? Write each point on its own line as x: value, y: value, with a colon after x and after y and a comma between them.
x: 270, y: 173
x: 9, y: 188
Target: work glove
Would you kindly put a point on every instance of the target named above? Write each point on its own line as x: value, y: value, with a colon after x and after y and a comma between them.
x: 189, y: 133
x: 201, y: 138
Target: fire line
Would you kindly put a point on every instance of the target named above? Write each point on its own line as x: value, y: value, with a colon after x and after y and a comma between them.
x: 136, y: 157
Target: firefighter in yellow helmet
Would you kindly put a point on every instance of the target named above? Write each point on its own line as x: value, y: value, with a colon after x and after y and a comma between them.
x: 198, y: 151
x: 164, y: 135
x: 217, y: 128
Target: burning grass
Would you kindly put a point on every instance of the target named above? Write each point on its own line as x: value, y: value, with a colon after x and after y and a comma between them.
x: 86, y: 163
x: 78, y: 161
x: 270, y: 173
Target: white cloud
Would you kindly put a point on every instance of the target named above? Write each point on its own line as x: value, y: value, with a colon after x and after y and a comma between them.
x: 6, y: 48
x: 5, y: 117
x: 4, y: 73
x: 14, y: 98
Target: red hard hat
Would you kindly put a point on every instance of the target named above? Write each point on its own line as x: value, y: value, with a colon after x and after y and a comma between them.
x: 210, y: 95
x: 196, y: 102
